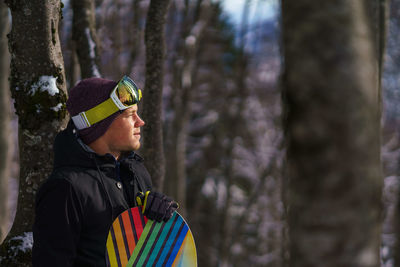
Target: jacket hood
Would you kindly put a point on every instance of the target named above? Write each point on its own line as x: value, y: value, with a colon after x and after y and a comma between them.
x: 69, y: 152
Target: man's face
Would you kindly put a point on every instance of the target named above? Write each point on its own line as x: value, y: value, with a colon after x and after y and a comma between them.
x: 124, y: 133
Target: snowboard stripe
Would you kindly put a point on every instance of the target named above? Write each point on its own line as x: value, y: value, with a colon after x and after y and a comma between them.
x: 161, y: 239
x: 142, y: 218
x: 111, y: 252
x: 115, y: 246
x: 120, y: 242
x: 123, y: 231
x: 139, y: 224
x: 135, y: 236
x: 177, y: 245
x: 178, y: 259
x: 140, y: 243
x: 130, y: 243
x: 172, y: 236
x: 150, y: 244
x: 142, y: 249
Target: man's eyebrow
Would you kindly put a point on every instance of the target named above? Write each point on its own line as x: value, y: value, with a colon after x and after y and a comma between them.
x: 130, y: 112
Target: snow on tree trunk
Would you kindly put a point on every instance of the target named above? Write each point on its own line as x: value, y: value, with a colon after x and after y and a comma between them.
x: 6, y: 140
x: 331, y: 99
x: 152, y: 95
x: 85, y: 37
x: 38, y: 87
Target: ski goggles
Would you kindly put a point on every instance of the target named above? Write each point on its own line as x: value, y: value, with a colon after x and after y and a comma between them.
x: 123, y: 96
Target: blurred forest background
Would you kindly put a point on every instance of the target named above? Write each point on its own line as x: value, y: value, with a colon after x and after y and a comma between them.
x: 224, y: 117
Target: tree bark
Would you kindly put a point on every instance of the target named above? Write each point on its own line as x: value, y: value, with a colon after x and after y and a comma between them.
x: 152, y: 95
x: 6, y: 140
x: 37, y: 84
x: 85, y: 37
x: 331, y: 100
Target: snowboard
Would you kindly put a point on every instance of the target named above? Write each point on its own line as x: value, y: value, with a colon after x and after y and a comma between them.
x: 134, y: 240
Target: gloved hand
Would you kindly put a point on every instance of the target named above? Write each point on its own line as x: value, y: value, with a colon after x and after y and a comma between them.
x: 156, y: 206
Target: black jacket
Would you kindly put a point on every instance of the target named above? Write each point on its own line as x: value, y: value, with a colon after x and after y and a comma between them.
x: 76, y: 206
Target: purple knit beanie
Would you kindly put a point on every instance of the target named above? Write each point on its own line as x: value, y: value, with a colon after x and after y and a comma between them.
x: 85, y: 95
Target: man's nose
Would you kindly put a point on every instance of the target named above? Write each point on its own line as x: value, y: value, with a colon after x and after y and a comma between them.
x: 140, y: 122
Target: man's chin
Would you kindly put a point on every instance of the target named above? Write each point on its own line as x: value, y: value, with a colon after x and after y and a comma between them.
x: 136, y: 146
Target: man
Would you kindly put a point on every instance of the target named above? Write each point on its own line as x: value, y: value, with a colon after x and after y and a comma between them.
x: 96, y: 176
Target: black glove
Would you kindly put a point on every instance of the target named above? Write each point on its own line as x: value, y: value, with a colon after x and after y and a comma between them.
x: 156, y: 206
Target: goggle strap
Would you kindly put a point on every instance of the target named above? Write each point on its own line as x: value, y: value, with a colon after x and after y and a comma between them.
x: 80, y: 121
x: 101, y: 111
x: 85, y: 119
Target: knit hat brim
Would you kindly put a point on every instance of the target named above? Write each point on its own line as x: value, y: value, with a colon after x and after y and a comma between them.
x: 85, y: 95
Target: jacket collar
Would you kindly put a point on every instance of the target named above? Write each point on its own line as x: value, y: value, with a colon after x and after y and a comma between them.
x: 70, y: 151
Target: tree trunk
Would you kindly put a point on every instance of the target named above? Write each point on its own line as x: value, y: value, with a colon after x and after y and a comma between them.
x: 74, y: 66
x: 378, y: 14
x: 6, y: 140
x: 241, y: 92
x: 152, y: 95
x: 395, y: 22
x: 135, y: 36
x: 226, y: 226
x: 38, y: 87
x: 331, y: 100
x: 184, y: 75
x: 85, y: 37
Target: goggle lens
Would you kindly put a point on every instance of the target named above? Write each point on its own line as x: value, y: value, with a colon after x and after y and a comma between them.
x: 128, y: 92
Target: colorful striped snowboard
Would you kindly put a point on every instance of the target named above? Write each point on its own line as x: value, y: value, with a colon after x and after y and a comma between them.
x: 133, y: 240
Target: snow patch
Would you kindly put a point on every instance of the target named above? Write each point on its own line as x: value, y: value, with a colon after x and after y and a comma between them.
x: 25, y: 244
x: 238, y: 194
x: 384, y: 251
x: 57, y: 108
x: 95, y: 70
x: 208, y: 188
x: 198, y: 28
x: 190, y: 40
x: 45, y: 83
x: 92, y: 53
x: 38, y: 108
x: 92, y: 45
